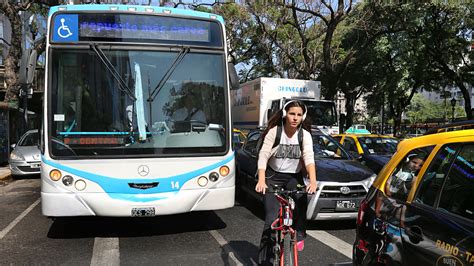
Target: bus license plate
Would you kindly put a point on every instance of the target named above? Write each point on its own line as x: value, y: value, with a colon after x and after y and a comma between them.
x: 346, y: 205
x: 143, y: 212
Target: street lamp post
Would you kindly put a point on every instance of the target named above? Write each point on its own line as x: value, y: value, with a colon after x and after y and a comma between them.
x: 453, y: 104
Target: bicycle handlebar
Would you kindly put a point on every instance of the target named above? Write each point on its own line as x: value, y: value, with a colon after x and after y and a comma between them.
x: 300, y: 189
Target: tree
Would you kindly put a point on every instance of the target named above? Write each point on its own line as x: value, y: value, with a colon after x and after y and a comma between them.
x: 446, y: 37
x: 12, y: 9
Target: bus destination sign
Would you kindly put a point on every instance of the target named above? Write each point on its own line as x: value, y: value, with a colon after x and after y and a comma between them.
x: 133, y: 28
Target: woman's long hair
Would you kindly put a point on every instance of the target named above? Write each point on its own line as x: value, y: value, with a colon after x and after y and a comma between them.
x: 277, y: 118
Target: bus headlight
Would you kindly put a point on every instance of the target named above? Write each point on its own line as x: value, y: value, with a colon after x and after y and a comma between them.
x: 68, y: 180
x: 202, y: 181
x: 213, y: 176
x: 55, y: 174
x: 80, y: 185
x: 224, y: 170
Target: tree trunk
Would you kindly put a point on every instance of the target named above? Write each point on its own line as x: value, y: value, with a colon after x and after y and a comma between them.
x: 13, y: 58
x: 350, y: 100
x: 397, y: 122
x: 467, y: 99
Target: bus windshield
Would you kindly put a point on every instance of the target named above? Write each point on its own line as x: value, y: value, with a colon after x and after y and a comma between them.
x: 92, y: 113
x: 322, y: 113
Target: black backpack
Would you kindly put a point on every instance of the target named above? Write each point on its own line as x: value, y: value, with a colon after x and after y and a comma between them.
x: 277, y: 140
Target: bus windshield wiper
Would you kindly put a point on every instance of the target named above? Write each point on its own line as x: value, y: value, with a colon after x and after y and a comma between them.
x: 168, y: 73
x: 122, y: 85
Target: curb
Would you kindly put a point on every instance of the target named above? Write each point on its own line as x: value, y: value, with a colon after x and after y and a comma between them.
x: 5, y: 174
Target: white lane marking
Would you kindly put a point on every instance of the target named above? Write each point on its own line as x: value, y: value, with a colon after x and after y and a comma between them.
x: 106, y: 251
x: 333, y: 242
x: 223, y: 243
x: 7, y: 229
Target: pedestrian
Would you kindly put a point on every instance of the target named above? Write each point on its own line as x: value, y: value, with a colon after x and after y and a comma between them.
x: 284, y: 165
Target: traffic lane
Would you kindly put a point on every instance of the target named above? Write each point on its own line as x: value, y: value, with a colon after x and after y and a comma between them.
x: 177, y: 239
x: 15, y: 197
x: 342, y: 229
x: 29, y: 243
x: 244, y: 229
x: 182, y: 239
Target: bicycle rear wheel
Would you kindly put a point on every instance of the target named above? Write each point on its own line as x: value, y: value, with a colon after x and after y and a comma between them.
x: 277, y: 249
x: 288, y: 251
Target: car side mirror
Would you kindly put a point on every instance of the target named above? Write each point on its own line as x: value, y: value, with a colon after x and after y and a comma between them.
x: 253, y: 152
x: 237, y: 145
x: 356, y: 155
x: 415, y: 234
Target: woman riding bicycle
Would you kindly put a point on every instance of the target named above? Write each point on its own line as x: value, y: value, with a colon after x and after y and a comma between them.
x: 282, y: 165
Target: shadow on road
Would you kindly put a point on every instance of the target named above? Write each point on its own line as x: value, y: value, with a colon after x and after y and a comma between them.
x: 245, y: 252
x: 331, y: 225
x: 254, y: 205
x: 86, y: 227
x: 25, y: 177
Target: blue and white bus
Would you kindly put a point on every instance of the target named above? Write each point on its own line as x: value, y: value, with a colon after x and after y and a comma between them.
x: 116, y: 140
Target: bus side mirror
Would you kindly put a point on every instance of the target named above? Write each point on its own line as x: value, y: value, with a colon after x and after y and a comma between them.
x: 28, y: 66
x: 23, y: 66
x: 31, y: 68
x: 234, y: 79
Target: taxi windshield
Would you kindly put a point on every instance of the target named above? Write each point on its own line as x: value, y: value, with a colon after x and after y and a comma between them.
x: 378, y: 145
x: 327, y: 147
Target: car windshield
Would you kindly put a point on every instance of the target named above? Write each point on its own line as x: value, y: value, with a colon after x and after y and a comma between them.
x: 140, y: 102
x: 321, y: 113
x: 30, y: 139
x: 378, y: 145
x: 326, y: 147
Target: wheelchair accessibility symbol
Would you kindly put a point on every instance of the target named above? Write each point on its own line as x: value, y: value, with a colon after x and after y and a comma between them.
x: 63, y: 30
x: 66, y: 28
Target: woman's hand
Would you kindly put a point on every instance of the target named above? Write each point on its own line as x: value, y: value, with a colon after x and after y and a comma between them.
x: 312, y: 187
x: 261, y: 187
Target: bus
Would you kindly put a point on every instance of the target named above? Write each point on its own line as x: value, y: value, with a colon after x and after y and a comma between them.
x: 115, y: 139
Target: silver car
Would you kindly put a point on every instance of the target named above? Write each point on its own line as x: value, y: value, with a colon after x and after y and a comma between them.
x: 25, y: 159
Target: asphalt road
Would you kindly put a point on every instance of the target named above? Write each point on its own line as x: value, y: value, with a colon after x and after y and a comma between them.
x: 224, y: 237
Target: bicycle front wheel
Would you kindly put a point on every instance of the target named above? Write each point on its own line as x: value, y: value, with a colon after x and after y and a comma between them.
x: 289, y: 250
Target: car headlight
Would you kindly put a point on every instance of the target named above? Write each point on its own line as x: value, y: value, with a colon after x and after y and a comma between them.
x: 16, y: 157
x: 368, y: 182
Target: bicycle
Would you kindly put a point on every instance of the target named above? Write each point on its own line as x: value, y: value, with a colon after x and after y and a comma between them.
x: 285, y: 250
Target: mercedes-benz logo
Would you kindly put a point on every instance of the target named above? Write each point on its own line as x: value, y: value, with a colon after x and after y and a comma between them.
x: 345, y: 190
x: 143, y: 170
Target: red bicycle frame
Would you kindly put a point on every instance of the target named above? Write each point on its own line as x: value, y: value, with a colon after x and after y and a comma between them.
x: 282, y: 227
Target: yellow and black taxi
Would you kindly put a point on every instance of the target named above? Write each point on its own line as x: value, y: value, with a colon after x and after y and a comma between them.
x: 238, y: 138
x: 373, y: 150
x: 420, y: 209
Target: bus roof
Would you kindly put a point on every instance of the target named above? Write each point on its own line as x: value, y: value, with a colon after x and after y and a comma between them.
x: 136, y: 9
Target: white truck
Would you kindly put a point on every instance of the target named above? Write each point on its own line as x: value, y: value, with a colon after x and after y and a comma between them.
x: 255, y: 101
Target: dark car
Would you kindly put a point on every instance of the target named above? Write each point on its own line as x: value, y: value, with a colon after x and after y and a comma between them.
x: 372, y: 150
x: 420, y: 209
x: 343, y: 181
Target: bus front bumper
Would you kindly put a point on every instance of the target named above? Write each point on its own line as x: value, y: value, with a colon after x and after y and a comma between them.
x: 102, y: 204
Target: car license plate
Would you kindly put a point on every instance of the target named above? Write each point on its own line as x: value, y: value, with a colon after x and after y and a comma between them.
x: 143, y: 212
x: 35, y: 165
x: 345, y: 205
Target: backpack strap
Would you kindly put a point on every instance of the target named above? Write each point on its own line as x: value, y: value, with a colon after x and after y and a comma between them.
x: 277, y: 137
x: 300, y: 139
